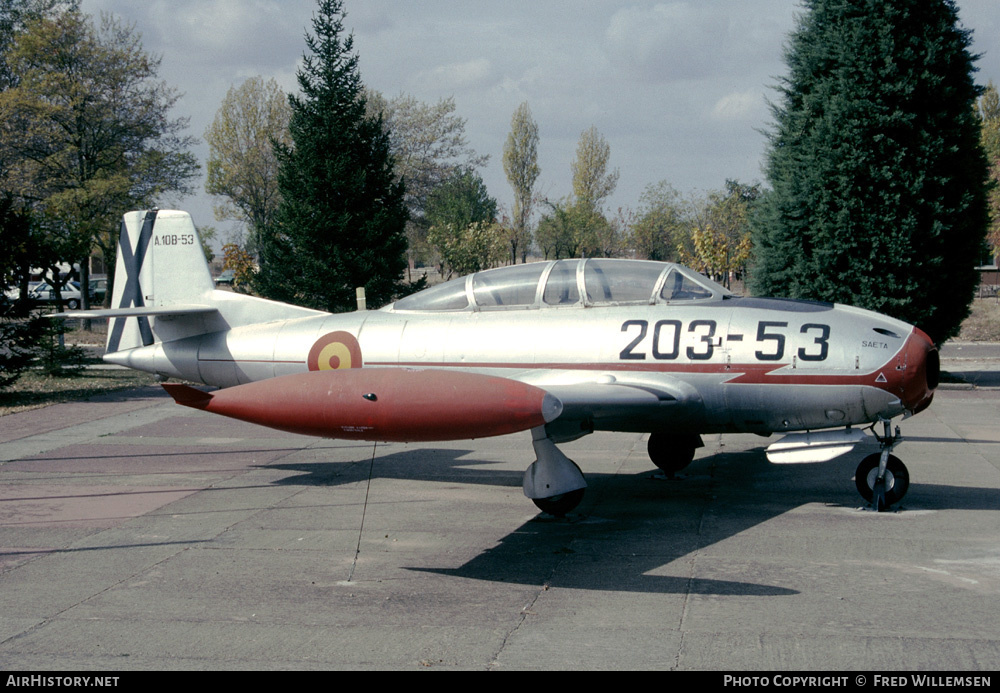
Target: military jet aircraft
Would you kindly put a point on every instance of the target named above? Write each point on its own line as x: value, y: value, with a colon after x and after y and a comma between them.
x: 560, y: 348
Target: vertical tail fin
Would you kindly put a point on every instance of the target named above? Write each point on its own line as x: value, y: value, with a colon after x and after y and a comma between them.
x: 163, y: 293
x: 160, y: 264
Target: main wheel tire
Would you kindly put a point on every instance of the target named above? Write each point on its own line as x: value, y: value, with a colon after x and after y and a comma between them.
x: 671, y: 453
x: 897, y: 478
x: 561, y: 504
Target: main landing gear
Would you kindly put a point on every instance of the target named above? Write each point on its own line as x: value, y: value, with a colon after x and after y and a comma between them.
x: 881, y: 478
x: 556, y: 485
x: 553, y: 481
x: 672, y: 453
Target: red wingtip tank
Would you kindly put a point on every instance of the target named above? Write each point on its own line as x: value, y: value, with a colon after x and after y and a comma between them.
x: 399, y: 405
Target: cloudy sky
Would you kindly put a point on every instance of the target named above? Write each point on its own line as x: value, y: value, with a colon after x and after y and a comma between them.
x: 678, y: 89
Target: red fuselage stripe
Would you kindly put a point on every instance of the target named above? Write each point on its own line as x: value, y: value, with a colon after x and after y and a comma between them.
x: 744, y: 374
x: 739, y: 373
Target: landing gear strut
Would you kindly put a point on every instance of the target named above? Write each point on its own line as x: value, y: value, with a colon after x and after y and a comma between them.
x: 672, y: 453
x: 882, y: 479
x: 553, y: 481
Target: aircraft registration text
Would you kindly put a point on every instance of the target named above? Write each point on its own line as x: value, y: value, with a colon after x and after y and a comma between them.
x: 665, y: 342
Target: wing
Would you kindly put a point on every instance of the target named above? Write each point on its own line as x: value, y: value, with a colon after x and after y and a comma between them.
x: 600, y: 401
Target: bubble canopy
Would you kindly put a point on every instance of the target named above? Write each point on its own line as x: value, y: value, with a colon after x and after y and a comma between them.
x: 565, y: 283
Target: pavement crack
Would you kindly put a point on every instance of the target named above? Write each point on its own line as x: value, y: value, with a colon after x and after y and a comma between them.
x: 527, y: 610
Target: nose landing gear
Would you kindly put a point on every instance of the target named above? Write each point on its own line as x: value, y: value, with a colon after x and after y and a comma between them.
x: 882, y: 479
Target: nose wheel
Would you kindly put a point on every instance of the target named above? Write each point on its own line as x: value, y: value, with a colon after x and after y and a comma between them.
x: 881, y: 478
x: 884, y: 492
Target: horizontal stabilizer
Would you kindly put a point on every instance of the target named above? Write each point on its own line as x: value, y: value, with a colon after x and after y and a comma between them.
x: 164, y: 311
x: 814, y: 446
x: 187, y: 395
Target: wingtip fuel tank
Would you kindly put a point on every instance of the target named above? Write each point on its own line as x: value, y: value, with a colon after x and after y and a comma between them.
x: 398, y: 405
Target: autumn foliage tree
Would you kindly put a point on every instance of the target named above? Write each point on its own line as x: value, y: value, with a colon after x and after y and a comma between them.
x: 520, y: 164
x: 593, y: 181
x: 720, y: 237
x: 427, y: 141
x: 242, y: 166
x: 661, y: 223
x: 86, y: 132
x: 463, y: 229
x: 428, y: 146
x: 989, y: 118
x: 237, y: 259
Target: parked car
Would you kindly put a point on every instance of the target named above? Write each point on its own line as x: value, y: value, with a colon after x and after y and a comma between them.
x: 12, y: 293
x: 226, y: 277
x: 98, y: 290
x: 71, y: 296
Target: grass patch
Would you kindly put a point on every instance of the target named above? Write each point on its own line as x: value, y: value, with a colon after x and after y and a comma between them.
x: 983, y: 324
x: 34, y: 389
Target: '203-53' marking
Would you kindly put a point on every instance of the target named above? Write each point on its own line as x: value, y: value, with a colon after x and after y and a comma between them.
x: 666, y: 340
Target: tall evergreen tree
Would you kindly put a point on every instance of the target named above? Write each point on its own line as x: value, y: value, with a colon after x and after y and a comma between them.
x: 340, y: 223
x: 877, y: 174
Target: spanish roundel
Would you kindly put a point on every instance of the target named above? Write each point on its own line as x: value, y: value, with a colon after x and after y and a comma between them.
x: 335, y: 350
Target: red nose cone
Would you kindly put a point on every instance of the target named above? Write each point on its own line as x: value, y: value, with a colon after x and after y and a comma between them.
x: 920, y: 367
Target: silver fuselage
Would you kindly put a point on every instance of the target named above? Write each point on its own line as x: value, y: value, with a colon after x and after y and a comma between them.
x: 733, y: 364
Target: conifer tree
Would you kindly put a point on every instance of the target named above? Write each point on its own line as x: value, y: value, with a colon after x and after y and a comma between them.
x: 877, y: 174
x: 340, y: 224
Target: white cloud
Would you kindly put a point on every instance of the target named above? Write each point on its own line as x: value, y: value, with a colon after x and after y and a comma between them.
x: 744, y: 105
x: 666, y: 42
x: 456, y: 76
x: 677, y: 87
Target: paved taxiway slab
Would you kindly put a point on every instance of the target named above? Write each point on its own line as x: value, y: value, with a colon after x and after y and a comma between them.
x: 135, y: 534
